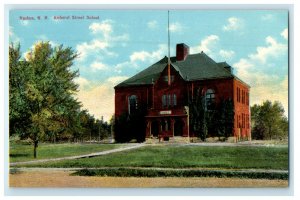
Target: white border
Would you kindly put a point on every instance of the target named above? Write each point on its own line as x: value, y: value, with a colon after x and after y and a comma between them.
x: 259, y: 4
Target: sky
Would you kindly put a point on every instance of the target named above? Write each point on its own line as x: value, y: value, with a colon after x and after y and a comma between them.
x: 114, y: 45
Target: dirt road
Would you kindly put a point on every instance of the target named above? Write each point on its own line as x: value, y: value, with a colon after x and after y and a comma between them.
x: 59, y: 179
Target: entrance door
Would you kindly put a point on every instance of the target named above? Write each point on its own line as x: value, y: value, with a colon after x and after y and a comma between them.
x: 178, y: 127
x: 154, y: 128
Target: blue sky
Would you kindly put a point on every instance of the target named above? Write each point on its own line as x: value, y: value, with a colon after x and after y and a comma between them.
x: 123, y: 42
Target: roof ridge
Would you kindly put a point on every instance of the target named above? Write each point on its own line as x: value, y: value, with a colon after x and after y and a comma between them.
x: 197, y: 66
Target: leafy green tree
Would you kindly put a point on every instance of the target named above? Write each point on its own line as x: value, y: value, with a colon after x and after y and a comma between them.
x: 80, y: 126
x: 19, y: 116
x: 269, y: 121
x: 46, y: 89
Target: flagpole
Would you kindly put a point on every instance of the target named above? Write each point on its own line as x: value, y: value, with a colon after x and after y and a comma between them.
x: 169, y: 61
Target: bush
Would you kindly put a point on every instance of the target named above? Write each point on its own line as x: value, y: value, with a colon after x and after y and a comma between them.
x: 130, y: 127
x: 131, y: 172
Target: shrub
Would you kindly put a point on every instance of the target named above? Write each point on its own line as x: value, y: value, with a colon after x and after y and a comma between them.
x: 131, y: 172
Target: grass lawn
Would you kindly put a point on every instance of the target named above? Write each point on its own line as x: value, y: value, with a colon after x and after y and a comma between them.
x: 24, y: 152
x: 185, y: 156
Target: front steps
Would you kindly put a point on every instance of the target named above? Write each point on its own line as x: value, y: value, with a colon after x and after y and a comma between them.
x: 177, y: 139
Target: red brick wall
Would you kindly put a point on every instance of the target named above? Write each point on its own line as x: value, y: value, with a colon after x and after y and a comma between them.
x: 222, y: 88
x: 178, y: 87
x: 242, y: 115
x: 144, y: 94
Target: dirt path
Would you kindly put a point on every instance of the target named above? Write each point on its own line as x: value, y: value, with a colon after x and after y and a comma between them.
x: 60, y: 178
x: 80, y: 156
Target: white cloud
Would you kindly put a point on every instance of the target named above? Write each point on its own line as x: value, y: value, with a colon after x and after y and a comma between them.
x: 243, y: 65
x: 142, y: 55
x: 285, y: 34
x: 84, y: 49
x: 82, y: 82
x: 104, y: 27
x: 264, y: 86
x: 206, y: 45
x: 226, y: 54
x: 271, y: 88
x: 152, y: 24
x: 273, y: 49
x: 233, y: 24
x: 142, y: 58
x: 99, y: 100
x: 266, y: 83
x: 176, y: 27
x: 114, y: 80
x: 149, y: 56
x: 124, y: 65
x: 99, y: 66
x: 105, y: 39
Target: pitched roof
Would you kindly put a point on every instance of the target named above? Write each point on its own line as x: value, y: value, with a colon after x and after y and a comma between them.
x: 194, y: 67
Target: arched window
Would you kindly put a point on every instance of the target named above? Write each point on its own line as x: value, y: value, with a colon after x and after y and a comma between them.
x: 132, y: 104
x: 210, y: 99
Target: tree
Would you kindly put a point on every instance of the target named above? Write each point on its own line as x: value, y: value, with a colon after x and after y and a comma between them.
x: 46, y: 90
x: 18, y: 103
x: 130, y: 126
x: 216, y: 121
x: 268, y: 121
x: 198, y: 115
x: 224, y: 118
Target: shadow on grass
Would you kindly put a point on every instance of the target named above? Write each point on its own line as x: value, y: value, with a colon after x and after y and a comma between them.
x: 14, y: 171
x: 18, y: 155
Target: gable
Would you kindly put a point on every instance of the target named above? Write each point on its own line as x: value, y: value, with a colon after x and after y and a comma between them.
x: 175, y: 75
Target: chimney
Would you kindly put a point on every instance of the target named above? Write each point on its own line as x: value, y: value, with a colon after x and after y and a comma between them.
x: 182, y: 51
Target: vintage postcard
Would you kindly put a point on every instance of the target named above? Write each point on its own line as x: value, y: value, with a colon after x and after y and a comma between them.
x: 148, y: 98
